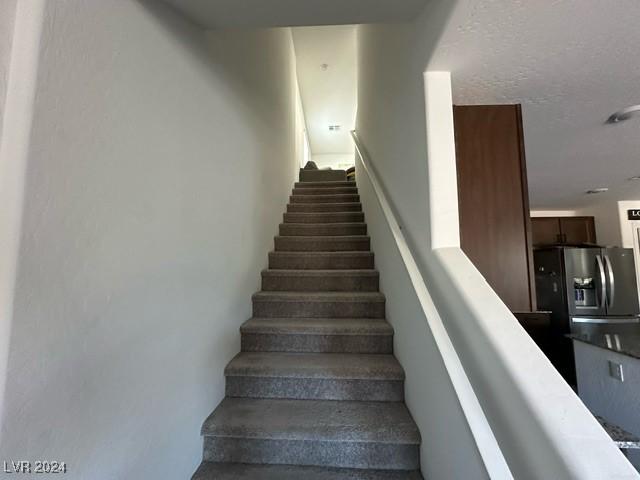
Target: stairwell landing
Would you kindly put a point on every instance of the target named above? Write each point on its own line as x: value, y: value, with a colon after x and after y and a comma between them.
x: 316, y: 392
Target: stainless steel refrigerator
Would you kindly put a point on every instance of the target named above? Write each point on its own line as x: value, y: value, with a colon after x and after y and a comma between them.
x: 587, y: 290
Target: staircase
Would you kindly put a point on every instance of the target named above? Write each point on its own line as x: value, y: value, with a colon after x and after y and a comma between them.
x: 316, y: 392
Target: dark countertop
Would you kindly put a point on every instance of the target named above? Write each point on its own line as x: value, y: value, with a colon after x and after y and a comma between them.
x: 626, y: 344
x: 623, y: 439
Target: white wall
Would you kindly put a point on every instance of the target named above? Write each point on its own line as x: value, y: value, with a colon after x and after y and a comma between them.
x: 20, y: 71
x: 159, y: 164
x: 627, y: 226
x: 607, y: 220
x: 303, y: 153
x: 7, y: 15
x: 613, y: 227
x: 429, y: 393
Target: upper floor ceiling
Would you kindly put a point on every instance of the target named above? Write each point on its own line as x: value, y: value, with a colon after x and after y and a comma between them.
x: 279, y: 13
x: 326, y: 67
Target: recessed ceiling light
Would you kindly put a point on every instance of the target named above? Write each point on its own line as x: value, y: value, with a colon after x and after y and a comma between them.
x: 595, y: 191
x: 334, y: 128
x: 624, y: 114
x: 637, y: 177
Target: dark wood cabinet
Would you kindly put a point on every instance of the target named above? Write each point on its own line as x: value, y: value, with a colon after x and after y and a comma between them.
x: 577, y: 230
x: 563, y: 230
x: 495, y: 226
x: 545, y: 230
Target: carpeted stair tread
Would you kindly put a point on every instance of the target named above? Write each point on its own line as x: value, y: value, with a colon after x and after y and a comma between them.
x: 320, y: 280
x: 319, y: 296
x: 324, y: 207
x: 317, y: 326
x: 323, y: 229
x: 326, y: 243
x: 319, y: 304
x: 239, y: 471
x: 323, y: 217
x: 384, y: 422
x: 316, y: 365
x: 335, y: 198
x: 322, y: 175
x: 324, y: 184
x: 321, y: 260
x: 325, y: 191
x: 317, y: 335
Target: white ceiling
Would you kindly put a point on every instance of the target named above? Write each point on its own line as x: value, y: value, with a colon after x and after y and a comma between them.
x: 571, y: 63
x: 274, y: 13
x: 328, y: 96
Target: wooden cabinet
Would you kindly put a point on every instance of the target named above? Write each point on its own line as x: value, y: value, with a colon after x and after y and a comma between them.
x: 578, y: 230
x: 563, y: 230
x: 495, y: 228
x: 545, y: 230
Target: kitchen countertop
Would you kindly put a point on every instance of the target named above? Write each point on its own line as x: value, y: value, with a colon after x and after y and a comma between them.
x: 624, y: 343
x: 623, y: 439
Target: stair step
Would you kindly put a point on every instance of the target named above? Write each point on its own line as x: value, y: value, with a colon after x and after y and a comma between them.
x: 324, y: 217
x: 317, y: 335
x: 321, y: 260
x: 345, y: 198
x: 322, y: 175
x: 343, y: 243
x: 322, y: 229
x: 324, y: 207
x: 319, y: 304
x: 316, y: 392
x: 320, y: 280
x: 325, y: 191
x: 239, y: 471
x: 315, y: 376
x: 346, y: 434
x: 324, y: 184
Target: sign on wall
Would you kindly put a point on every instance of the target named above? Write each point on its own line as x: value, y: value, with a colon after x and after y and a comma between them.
x: 633, y: 215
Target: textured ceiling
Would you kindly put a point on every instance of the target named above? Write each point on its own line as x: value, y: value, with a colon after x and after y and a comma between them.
x: 571, y: 63
x: 328, y: 96
x: 273, y: 13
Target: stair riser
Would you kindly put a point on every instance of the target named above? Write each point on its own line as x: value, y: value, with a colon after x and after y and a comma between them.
x: 324, y: 184
x: 258, y: 342
x: 329, y: 229
x: 324, y: 198
x: 372, y: 455
x: 327, y: 283
x: 324, y: 207
x: 325, y: 262
x: 322, y: 176
x: 318, y: 309
x: 338, y: 217
x: 239, y: 471
x: 319, y: 244
x: 326, y: 191
x: 315, y: 388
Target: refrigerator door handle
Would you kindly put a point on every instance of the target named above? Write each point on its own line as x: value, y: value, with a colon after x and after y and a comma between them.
x: 611, y: 296
x: 603, y: 282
